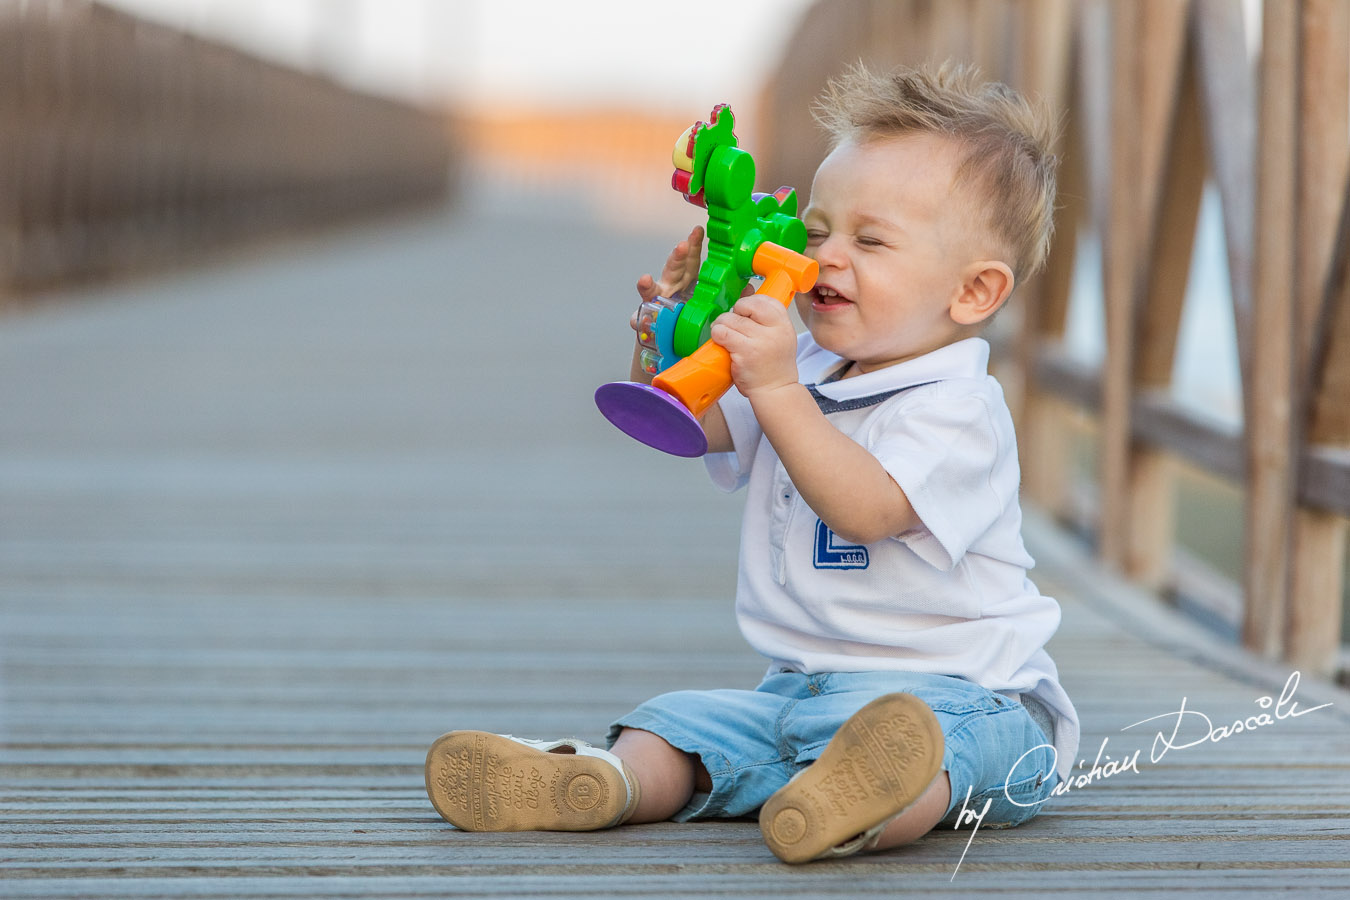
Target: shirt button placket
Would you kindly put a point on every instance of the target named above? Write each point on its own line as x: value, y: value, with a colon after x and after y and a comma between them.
x: 782, y: 510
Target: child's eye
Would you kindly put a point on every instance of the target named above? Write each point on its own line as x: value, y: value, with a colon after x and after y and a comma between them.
x: 865, y: 241
x: 815, y: 237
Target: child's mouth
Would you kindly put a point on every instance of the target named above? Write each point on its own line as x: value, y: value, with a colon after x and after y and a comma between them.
x: 825, y: 298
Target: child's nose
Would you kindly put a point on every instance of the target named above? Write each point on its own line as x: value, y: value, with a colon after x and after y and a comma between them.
x: 828, y: 253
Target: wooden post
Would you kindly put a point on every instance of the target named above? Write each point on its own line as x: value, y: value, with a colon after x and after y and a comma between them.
x: 1228, y: 106
x: 1269, y: 434
x: 1046, y: 35
x: 1166, y: 269
x: 1330, y: 413
x: 1323, y: 153
x: 1119, y: 257
x: 1149, y: 40
x: 1171, y: 178
x: 1313, y: 619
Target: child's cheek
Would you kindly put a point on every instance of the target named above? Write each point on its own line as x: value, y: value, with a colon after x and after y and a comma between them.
x: 803, y: 305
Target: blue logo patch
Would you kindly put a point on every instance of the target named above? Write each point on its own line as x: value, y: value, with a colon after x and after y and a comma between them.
x: 831, y: 553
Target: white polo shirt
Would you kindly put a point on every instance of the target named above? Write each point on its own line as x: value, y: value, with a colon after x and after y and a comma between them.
x: 949, y: 598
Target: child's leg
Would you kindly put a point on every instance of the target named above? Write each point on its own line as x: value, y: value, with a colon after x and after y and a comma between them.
x: 668, y: 776
x: 980, y: 744
x: 709, y: 754
x: 920, y: 818
x: 882, y: 764
x: 488, y: 782
x: 484, y: 782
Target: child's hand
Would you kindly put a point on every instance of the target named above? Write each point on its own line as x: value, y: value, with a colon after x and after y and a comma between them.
x: 762, y: 342
x: 681, y: 270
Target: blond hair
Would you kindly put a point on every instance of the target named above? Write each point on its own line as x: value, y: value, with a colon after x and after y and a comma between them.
x: 1007, y: 141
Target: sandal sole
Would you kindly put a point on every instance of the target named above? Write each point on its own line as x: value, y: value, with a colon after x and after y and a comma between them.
x: 879, y: 762
x: 485, y: 782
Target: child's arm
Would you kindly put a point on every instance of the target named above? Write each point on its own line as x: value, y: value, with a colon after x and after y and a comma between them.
x: 838, y: 478
x: 680, y: 271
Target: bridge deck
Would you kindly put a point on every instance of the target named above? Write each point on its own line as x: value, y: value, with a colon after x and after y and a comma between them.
x: 269, y: 527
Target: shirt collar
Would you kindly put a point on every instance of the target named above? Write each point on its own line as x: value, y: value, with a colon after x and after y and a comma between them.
x: 967, y: 358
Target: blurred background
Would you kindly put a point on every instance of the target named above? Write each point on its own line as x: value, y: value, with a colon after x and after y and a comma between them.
x: 145, y: 136
x: 142, y: 128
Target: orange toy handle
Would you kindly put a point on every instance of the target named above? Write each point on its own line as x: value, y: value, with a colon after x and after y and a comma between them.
x: 705, y: 375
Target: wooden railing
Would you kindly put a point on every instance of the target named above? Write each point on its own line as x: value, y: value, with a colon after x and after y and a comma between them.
x: 124, y: 144
x: 1158, y: 97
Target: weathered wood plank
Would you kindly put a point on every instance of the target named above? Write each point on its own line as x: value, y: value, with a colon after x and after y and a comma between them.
x: 742, y: 882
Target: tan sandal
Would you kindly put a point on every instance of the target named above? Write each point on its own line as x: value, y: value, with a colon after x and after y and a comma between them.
x: 493, y: 782
x: 879, y: 762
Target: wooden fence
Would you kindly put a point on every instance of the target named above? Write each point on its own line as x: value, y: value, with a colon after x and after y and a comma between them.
x: 123, y: 143
x: 1158, y: 97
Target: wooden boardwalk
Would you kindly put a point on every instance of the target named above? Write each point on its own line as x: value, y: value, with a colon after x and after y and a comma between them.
x: 269, y: 527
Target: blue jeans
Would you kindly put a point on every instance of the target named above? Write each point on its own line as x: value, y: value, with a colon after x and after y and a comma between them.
x: 753, y: 742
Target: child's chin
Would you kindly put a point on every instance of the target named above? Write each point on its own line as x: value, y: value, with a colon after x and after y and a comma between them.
x: 825, y: 341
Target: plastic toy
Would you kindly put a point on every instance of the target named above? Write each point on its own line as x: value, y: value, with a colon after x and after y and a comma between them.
x: 747, y: 234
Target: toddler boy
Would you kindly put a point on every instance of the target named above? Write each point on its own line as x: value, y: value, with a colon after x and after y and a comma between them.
x: 882, y: 569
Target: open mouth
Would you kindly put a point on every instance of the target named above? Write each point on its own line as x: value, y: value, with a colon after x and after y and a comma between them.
x: 826, y: 298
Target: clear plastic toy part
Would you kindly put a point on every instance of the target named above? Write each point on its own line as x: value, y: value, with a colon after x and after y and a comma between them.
x: 656, y: 320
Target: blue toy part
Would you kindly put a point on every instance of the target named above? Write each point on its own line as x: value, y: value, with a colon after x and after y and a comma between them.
x: 665, y: 335
x: 656, y: 333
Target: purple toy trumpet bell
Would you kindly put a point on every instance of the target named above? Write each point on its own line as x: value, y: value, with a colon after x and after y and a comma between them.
x: 651, y: 416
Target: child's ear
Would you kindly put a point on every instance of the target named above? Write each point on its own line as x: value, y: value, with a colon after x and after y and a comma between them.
x: 987, y: 284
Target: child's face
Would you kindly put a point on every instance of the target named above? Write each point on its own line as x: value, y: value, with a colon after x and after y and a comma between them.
x: 892, y: 237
